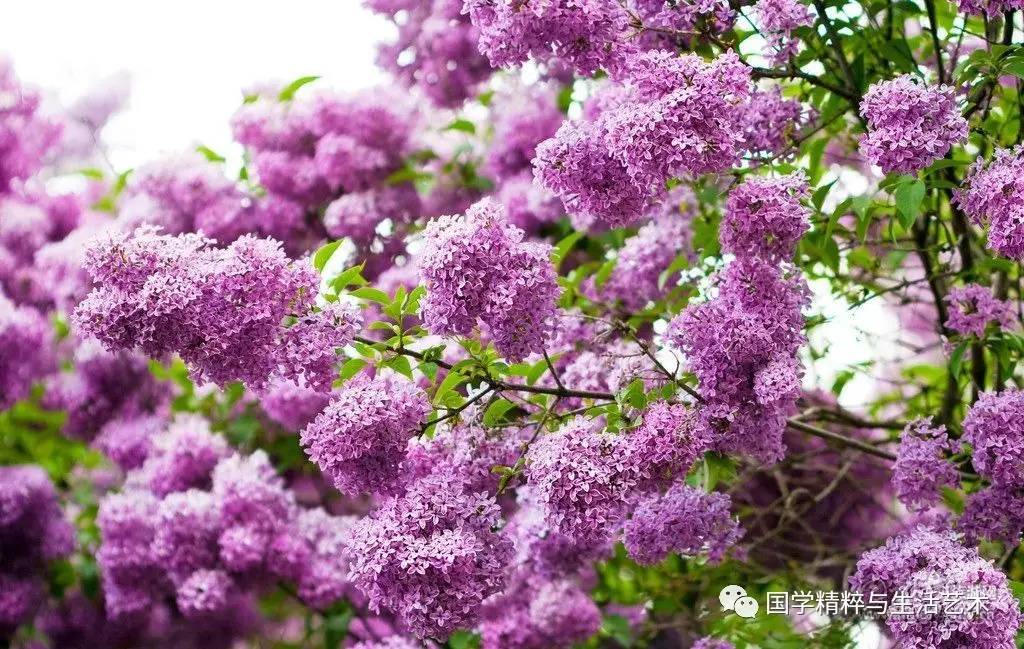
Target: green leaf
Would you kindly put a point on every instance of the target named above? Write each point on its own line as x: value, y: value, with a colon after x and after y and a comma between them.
x: 210, y: 154
x: 496, y: 411
x: 463, y: 125
x: 956, y: 359
x: 372, y: 294
x: 351, y: 367
x: 348, y: 277
x: 563, y: 247
x: 450, y: 382
x: 323, y: 255
x: 288, y: 92
x: 1015, y: 67
x: 909, y: 196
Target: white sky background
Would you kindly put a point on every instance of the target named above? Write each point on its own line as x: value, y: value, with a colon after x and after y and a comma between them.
x: 189, y: 60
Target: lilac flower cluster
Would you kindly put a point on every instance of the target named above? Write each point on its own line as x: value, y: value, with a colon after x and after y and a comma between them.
x: 683, y: 520
x: 777, y: 19
x: 291, y: 405
x: 678, y: 115
x: 972, y: 308
x: 764, y: 218
x: 742, y: 345
x: 436, y: 50
x: 921, y: 468
x: 990, y: 8
x: 359, y: 439
x: 26, y: 350
x: 995, y: 512
x: 994, y: 427
x: 684, y: 17
x: 25, y: 135
x: 993, y: 193
x: 771, y: 122
x: 584, y: 35
x: 665, y: 444
x: 539, y: 614
x: 636, y: 278
x: 911, y: 124
x: 33, y: 532
x: 524, y: 117
x: 221, y: 309
x: 477, y: 266
x: 934, y: 561
x: 205, y: 525
x: 430, y: 555
x: 712, y: 643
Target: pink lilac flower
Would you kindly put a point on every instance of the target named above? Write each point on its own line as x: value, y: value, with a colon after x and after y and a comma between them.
x: 436, y: 49
x: 204, y: 592
x: 528, y: 205
x: 921, y: 468
x: 665, y: 444
x: 993, y: 193
x: 430, y: 555
x: 743, y: 345
x: 996, y: 512
x: 182, y: 457
x: 994, y: 426
x: 307, y: 351
x: 972, y: 308
x: 934, y: 561
x: 683, y: 520
x: 911, y: 124
x: 359, y: 440
x: 682, y: 115
x: 357, y: 215
x: 524, y: 117
x: 777, y: 20
x: 33, y: 532
x: 26, y: 350
x: 764, y: 218
x: 582, y: 480
x: 712, y: 643
x: 539, y: 614
x: 477, y: 266
x: 686, y: 16
x: 587, y: 35
x: 467, y: 448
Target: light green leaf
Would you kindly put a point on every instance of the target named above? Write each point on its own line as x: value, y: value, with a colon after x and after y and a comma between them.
x: 288, y: 92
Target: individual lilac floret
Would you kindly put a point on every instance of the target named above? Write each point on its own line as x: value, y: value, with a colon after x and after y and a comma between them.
x: 359, y: 440
x: 431, y: 555
x: 777, y: 19
x: 636, y: 278
x: 972, y: 308
x: 683, y: 520
x: 477, y: 267
x: 586, y: 35
x: 436, y: 50
x: 921, y: 468
x: 993, y: 193
x: 581, y: 479
x: 678, y: 115
x: 995, y: 513
x: 524, y: 117
x: 33, y: 531
x: 743, y: 346
x: 221, y: 309
x: 911, y: 124
x: 26, y: 350
x: 994, y: 426
x: 764, y: 217
x: 990, y: 8
x: 182, y: 457
x: 926, y: 561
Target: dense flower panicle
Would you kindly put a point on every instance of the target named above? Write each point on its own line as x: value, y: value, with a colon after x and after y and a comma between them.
x: 989, y: 8
x: 221, y: 309
x: 636, y: 278
x: 972, y: 308
x: 436, y: 50
x: 291, y: 405
x: 186, y: 532
x: 130, y: 571
x: 25, y: 135
x: 524, y: 117
x: 104, y: 386
x: 993, y: 193
x: 538, y: 614
x: 430, y: 555
x: 26, y: 350
x: 587, y: 35
x: 685, y: 16
x: 359, y: 439
x: 582, y: 480
x: 466, y: 448
x: 182, y: 457
x: 925, y: 561
x: 684, y: 520
x: 477, y: 266
x: 679, y: 115
x: 742, y: 345
x: 911, y: 124
x: 712, y: 643
x: 777, y: 19
x: 204, y: 592
x: 357, y: 215
x: 529, y: 205
x: 995, y: 513
x: 128, y: 441
x: 308, y: 348
x: 764, y: 218
x: 921, y: 469
x: 771, y: 122
x: 324, y: 577
x: 666, y: 444
x: 994, y: 426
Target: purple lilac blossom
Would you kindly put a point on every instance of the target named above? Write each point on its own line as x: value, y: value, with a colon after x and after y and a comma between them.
x: 993, y: 193
x: 972, y: 308
x: 764, y: 218
x: 777, y: 19
x: 996, y: 512
x: 911, y: 124
x: 26, y: 350
x: 921, y: 468
x: 25, y: 135
x: 994, y: 426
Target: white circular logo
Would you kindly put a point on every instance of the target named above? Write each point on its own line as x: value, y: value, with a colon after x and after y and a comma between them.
x: 730, y: 594
x: 746, y: 607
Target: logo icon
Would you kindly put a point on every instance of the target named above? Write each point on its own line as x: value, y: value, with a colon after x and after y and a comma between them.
x: 734, y: 598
